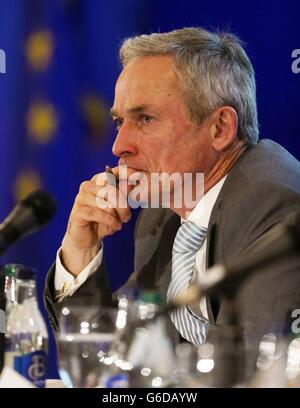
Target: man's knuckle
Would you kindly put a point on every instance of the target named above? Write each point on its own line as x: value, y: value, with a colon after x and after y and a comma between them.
x: 91, y: 212
x: 84, y: 185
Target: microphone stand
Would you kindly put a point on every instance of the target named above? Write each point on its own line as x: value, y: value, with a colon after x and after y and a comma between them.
x: 224, y: 282
x: 230, y: 354
x: 229, y: 350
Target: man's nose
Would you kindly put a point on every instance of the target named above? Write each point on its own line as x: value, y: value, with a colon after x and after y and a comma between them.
x: 124, y: 143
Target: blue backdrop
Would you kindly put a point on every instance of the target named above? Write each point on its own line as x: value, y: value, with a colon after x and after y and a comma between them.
x: 61, y: 65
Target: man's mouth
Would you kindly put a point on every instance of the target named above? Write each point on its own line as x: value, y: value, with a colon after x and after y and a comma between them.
x: 132, y: 167
x: 129, y: 173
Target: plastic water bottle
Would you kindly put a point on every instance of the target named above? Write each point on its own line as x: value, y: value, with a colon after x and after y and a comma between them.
x: 10, y: 289
x: 10, y: 293
x: 26, y: 347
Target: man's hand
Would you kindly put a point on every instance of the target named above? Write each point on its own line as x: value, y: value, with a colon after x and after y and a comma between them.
x: 100, y: 209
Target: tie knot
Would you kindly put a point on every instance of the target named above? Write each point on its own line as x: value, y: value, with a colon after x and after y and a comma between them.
x: 189, y: 237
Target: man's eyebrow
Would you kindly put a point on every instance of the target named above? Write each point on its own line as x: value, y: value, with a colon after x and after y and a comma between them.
x: 134, y: 110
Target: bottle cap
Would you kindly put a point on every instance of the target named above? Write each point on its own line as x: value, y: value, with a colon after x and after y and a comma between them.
x: 12, y: 269
x: 26, y: 273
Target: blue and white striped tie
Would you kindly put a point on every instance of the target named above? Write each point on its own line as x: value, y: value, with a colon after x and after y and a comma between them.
x: 189, y: 239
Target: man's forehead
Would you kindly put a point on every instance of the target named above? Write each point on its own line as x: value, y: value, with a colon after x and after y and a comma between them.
x: 144, y: 81
x: 144, y: 101
x: 142, y: 71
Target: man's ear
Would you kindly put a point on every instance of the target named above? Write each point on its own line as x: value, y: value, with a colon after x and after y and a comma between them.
x: 224, y: 126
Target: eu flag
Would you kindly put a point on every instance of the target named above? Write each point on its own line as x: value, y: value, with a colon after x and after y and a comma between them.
x: 61, y: 60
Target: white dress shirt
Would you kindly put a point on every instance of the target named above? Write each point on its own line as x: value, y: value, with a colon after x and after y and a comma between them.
x: 201, y: 216
x: 65, y: 284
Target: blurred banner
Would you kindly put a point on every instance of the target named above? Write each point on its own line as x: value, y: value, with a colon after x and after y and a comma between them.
x: 61, y: 66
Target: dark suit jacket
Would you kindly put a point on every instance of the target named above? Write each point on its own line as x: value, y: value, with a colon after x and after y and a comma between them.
x: 259, y: 192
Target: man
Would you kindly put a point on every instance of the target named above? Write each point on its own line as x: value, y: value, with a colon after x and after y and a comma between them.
x: 185, y: 103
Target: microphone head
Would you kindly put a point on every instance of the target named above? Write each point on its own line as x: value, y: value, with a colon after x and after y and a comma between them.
x: 42, y: 204
x: 29, y: 215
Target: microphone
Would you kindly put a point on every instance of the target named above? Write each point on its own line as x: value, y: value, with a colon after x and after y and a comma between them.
x: 29, y: 215
x: 225, y: 279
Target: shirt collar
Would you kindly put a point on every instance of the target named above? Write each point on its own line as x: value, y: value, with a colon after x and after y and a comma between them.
x: 201, y: 213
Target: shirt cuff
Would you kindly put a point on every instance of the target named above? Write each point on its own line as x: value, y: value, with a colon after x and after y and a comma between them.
x: 65, y: 284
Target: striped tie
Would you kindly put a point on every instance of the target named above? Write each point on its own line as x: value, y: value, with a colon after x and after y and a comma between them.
x: 189, y: 239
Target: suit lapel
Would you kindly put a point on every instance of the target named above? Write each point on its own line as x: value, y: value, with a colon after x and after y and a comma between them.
x: 209, y: 261
x: 154, y: 242
x: 164, y: 270
x: 213, y: 304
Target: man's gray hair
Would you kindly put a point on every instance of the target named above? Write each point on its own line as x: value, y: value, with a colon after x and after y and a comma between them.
x: 213, y: 71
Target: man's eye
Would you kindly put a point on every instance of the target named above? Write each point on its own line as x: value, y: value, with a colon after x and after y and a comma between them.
x: 118, y: 123
x: 147, y: 118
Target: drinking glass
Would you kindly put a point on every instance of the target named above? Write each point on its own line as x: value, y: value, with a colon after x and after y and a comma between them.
x: 85, y: 337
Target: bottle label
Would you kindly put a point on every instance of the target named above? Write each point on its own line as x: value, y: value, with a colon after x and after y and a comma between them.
x: 32, y: 366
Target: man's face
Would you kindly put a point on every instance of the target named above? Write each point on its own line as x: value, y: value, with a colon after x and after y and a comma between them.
x: 155, y: 133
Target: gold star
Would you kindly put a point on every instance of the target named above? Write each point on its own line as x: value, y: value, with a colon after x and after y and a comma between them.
x: 41, y: 122
x: 26, y: 182
x: 39, y: 49
x: 96, y: 115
